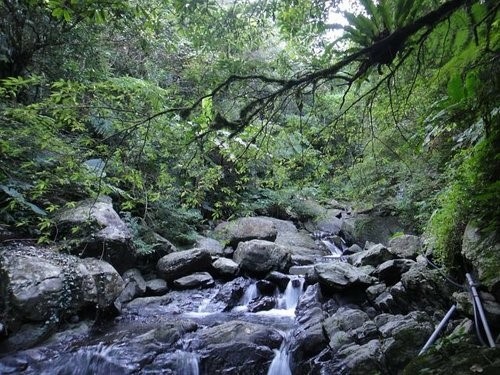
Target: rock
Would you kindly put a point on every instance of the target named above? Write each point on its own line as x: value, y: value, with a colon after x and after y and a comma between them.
x: 359, y: 228
x: 282, y: 226
x: 229, y: 295
x: 246, y: 229
x: 372, y: 292
x: 258, y: 257
x: 265, y: 287
x: 238, y: 331
x: 374, y: 256
x: 390, y: 271
x: 405, y: 336
x: 385, y: 302
x: 38, y: 284
x: 182, y: 263
x: 357, y: 359
x: 262, y: 304
x: 301, y: 270
x: 483, y: 251
x: 341, y: 276
x: 196, y: 280
x: 236, y: 358
x: 353, y: 249
x: 214, y: 247
x: 279, y: 279
x: 406, y: 246
x: 102, y: 233
x: 133, y: 275
x: 298, y: 239
x: 225, y: 267
x: 156, y: 287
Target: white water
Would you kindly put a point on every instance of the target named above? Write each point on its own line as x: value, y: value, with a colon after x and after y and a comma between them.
x: 280, y: 364
x: 290, y: 298
x: 187, y: 363
x: 336, y: 252
x: 250, y: 294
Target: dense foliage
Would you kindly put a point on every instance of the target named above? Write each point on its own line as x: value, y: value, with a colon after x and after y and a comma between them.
x: 184, y: 110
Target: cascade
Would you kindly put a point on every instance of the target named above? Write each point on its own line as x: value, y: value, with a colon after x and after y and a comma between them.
x: 280, y: 364
x: 292, y: 294
x: 187, y: 363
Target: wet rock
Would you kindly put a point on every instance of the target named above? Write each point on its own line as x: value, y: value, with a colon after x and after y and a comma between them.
x: 214, y: 247
x: 265, y: 287
x: 385, y: 302
x: 238, y: 331
x: 282, y: 226
x: 329, y: 221
x: 279, y: 279
x: 246, y: 229
x: 156, y: 287
x: 341, y: 276
x: 390, y: 271
x: 482, y: 249
x: 374, y: 256
x: 406, y: 246
x: 102, y: 233
x: 301, y: 270
x: 196, y: 280
x: 229, y: 295
x: 310, y: 299
x: 262, y: 304
x: 182, y: 263
x: 225, y: 268
x: 258, y: 257
x: 238, y: 358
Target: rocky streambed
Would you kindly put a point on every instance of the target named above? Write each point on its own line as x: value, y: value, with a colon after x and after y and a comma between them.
x: 275, y: 300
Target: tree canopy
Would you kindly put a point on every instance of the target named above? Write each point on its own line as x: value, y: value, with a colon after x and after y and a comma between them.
x: 183, y: 110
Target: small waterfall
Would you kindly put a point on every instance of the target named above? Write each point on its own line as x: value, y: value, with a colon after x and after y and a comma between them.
x: 280, y: 364
x: 186, y: 363
x: 336, y: 252
x: 250, y: 294
x: 293, y: 291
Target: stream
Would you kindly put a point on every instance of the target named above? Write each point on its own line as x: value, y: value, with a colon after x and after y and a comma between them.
x: 158, y: 335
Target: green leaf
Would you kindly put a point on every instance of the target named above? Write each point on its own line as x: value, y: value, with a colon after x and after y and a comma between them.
x: 471, y: 84
x: 456, y: 88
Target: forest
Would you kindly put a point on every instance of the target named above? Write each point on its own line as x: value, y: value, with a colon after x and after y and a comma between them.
x: 188, y: 113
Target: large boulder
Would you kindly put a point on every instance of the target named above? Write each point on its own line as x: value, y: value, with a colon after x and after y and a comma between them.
x: 338, y: 276
x: 214, y: 247
x: 183, y: 263
x: 374, y: 256
x: 260, y: 257
x: 482, y: 249
x: 225, y: 268
x: 39, y: 285
x: 96, y: 230
x: 360, y: 228
x: 246, y: 229
x: 406, y: 246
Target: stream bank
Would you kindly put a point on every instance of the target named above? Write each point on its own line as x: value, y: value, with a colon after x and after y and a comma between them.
x: 278, y: 298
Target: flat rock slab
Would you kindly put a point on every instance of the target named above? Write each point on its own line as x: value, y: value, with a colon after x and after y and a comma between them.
x: 183, y: 263
x: 196, y: 280
x: 341, y: 276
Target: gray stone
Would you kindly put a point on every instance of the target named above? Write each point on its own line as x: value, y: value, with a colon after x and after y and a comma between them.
x: 229, y: 295
x: 374, y: 256
x: 103, y: 234
x: 358, y: 359
x: 37, y: 284
x: 353, y: 249
x: 279, y: 279
x: 133, y: 275
x: 372, y: 292
x: 341, y: 276
x: 406, y: 246
x: 182, y: 263
x: 214, y: 247
x: 483, y: 251
x: 246, y: 229
x: 225, y: 267
x: 301, y: 270
x: 359, y: 228
x: 196, y: 280
x: 262, y: 304
x: 258, y: 256
x: 156, y: 287
x: 390, y: 271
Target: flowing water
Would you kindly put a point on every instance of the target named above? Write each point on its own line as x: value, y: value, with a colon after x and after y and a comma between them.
x: 152, y: 336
